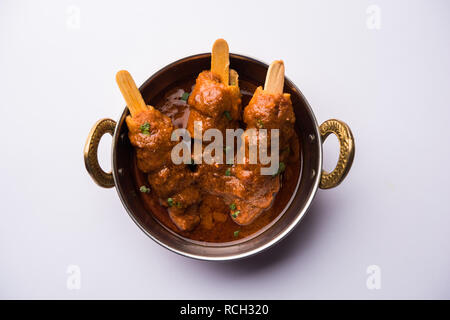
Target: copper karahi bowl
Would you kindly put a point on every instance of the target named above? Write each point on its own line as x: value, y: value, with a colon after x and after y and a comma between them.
x: 311, y: 176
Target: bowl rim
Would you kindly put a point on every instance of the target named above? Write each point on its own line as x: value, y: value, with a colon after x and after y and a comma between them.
x: 260, y: 248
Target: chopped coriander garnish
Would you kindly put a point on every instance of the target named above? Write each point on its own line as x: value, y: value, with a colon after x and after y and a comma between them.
x: 281, y: 168
x: 228, y: 115
x: 228, y: 172
x: 144, y: 189
x: 179, y: 205
x: 236, y: 233
x: 236, y: 213
x: 145, y: 128
x: 170, y: 202
x: 185, y: 96
x: 233, y: 206
x: 259, y: 123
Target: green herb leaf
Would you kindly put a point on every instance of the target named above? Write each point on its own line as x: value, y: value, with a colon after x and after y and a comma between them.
x: 281, y: 168
x: 236, y: 233
x: 170, y: 202
x: 179, y: 205
x: 259, y: 123
x: 233, y: 206
x: 228, y: 115
x: 185, y: 96
x: 228, y: 172
x: 145, y: 128
x: 235, y: 214
x: 144, y: 189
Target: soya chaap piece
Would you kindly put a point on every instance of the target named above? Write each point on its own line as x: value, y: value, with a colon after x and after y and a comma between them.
x: 216, y: 98
x: 149, y: 129
x: 150, y: 133
x: 269, y: 108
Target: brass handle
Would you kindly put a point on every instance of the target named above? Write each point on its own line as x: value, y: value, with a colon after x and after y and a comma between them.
x: 346, y: 153
x: 101, y: 127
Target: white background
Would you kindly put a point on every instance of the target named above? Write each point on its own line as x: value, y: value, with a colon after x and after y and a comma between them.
x: 391, y: 85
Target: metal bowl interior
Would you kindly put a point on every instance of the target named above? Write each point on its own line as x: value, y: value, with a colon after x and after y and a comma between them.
x: 254, y: 72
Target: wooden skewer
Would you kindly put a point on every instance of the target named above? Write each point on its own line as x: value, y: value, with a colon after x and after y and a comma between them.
x: 220, y: 60
x: 130, y: 93
x: 275, y: 78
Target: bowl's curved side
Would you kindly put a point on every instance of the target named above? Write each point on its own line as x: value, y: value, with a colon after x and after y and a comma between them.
x: 251, y: 70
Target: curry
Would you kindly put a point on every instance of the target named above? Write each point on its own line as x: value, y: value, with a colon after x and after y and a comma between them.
x: 217, y: 202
